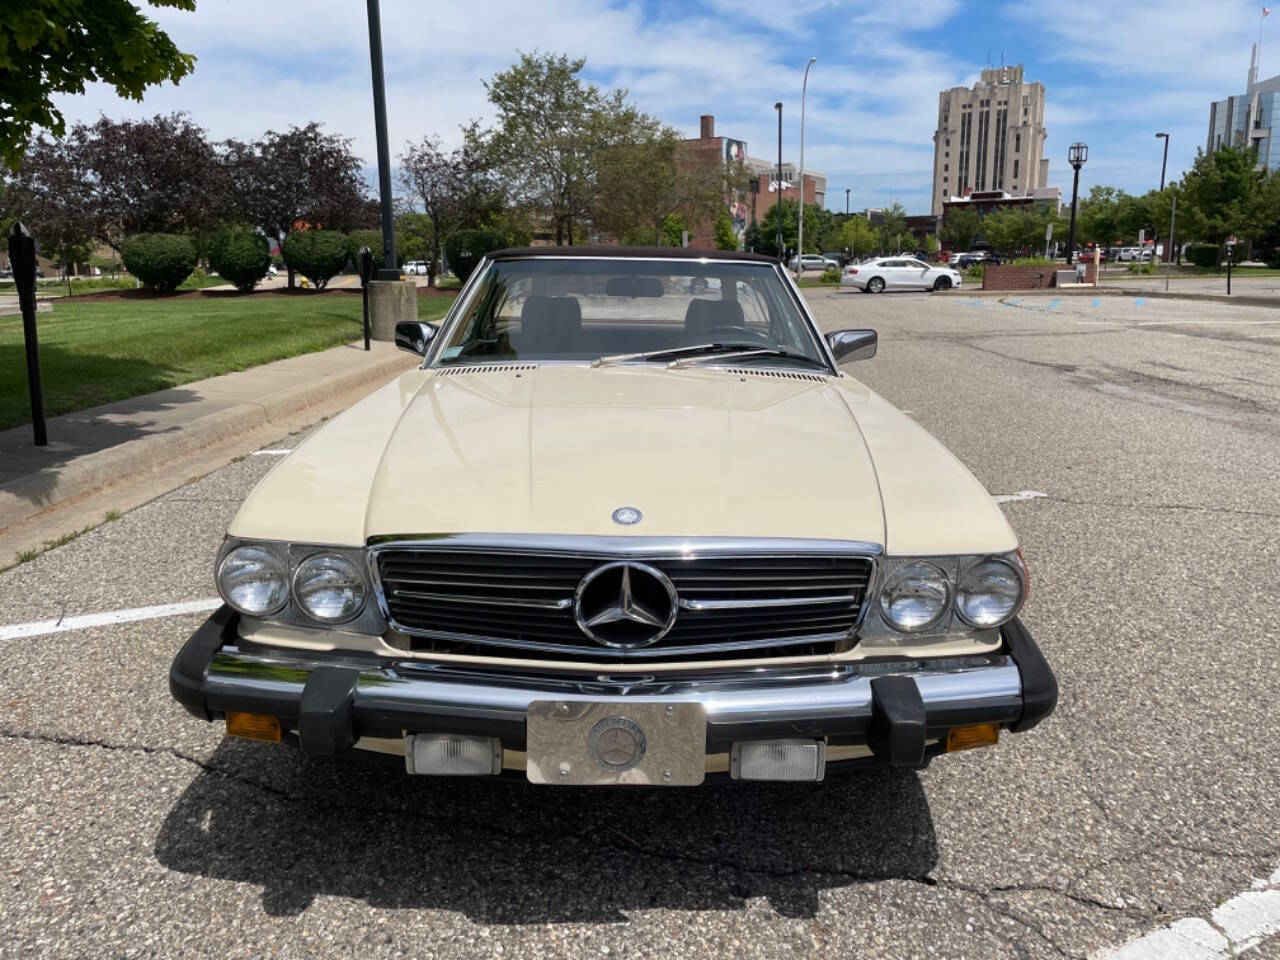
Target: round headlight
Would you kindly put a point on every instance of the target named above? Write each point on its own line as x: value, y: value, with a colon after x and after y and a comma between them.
x: 988, y: 593
x: 329, y: 588
x: 254, y: 581
x: 915, y: 597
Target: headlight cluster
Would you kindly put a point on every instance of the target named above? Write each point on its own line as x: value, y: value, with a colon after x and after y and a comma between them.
x: 327, y: 587
x: 920, y: 594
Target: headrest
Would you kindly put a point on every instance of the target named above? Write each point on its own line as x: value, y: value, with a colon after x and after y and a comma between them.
x: 558, y: 311
x: 703, y: 315
x: 633, y: 287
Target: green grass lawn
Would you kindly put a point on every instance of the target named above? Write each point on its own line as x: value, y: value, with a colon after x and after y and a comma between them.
x: 98, y: 351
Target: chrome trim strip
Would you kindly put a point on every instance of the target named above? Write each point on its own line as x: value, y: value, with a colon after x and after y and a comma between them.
x: 839, y: 692
x: 563, y: 604
x: 848, y: 598
x: 621, y: 653
x: 623, y: 547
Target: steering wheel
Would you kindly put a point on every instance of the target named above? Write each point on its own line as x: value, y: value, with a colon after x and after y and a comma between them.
x: 736, y: 333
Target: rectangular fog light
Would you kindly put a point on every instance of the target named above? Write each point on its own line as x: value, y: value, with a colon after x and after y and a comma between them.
x: 778, y: 760
x: 451, y: 755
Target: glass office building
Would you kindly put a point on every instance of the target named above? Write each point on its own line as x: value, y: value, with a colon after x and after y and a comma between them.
x: 1249, y: 119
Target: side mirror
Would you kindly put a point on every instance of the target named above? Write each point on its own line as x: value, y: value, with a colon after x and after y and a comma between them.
x: 416, y: 337
x: 850, y: 345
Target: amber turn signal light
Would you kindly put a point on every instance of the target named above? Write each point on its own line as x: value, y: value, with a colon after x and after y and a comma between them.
x: 977, y: 735
x: 253, y: 726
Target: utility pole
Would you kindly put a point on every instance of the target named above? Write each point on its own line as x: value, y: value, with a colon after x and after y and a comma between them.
x: 391, y: 270
x: 782, y: 254
x: 804, y: 89
x: 22, y: 260
x: 846, y: 201
x: 1168, y: 254
x: 1165, y: 162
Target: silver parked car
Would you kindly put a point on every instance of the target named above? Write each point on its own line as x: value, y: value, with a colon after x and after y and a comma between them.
x: 898, y: 273
x: 813, y: 261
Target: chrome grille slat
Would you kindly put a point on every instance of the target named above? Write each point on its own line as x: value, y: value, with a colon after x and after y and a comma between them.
x: 518, y: 602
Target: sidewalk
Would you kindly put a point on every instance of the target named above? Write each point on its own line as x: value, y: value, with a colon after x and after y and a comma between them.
x: 121, y: 454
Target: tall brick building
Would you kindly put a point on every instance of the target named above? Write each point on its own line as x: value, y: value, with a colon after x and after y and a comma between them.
x: 707, y: 150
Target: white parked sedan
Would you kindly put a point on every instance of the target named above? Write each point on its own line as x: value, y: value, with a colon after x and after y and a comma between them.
x: 898, y: 273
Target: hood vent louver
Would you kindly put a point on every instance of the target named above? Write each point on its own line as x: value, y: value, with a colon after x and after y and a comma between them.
x: 777, y: 374
x: 486, y: 368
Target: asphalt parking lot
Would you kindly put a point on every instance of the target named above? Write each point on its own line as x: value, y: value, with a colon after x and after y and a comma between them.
x: 1137, y: 446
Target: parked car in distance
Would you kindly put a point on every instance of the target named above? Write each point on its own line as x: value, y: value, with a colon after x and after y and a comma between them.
x: 610, y: 533
x: 812, y: 261
x: 415, y: 268
x: 1129, y: 253
x: 840, y: 257
x: 956, y: 255
x: 898, y: 273
x: 272, y: 271
x: 977, y: 257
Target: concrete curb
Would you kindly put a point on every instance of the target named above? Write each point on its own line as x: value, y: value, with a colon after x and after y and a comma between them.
x: 27, y: 497
x: 1242, y: 300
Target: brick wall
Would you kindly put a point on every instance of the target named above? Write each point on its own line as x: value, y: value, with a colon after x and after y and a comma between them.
x: 1027, y: 278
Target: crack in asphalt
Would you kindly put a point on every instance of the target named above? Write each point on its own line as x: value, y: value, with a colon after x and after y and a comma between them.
x: 1128, y: 505
x: 990, y: 897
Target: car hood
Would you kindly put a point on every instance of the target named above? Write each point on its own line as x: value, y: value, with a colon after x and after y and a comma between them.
x: 557, y: 448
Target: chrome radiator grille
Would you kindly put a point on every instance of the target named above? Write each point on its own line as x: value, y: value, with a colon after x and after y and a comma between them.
x: 518, y: 603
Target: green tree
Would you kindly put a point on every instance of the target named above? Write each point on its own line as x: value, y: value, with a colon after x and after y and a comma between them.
x: 1228, y: 193
x: 960, y: 228
x: 726, y: 238
x: 893, y: 229
x: 415, y: 236
x: 931, y: 244
x: 50, y: 48
x: 643, y: 181
x: 240, y: 255
x: 552, y: 129
x: 1096, y: 216
x: 751, y: 239
x: 769, y: 226
x: 859, y: 237
x: 673, y: 230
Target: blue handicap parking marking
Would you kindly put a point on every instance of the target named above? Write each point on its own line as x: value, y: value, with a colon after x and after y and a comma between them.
x: 1053, y: 303
x: 1097, y: 301
x: 1138, y: 302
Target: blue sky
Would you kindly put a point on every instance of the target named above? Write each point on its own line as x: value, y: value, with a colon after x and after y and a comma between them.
x: 1115, y: 73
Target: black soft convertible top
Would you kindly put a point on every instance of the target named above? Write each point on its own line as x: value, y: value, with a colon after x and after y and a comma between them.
x: 627, y: 253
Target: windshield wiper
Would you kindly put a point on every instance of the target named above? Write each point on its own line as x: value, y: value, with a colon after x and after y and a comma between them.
x: 645, y: 355
x: 706, y: 351
x: 731, y: 351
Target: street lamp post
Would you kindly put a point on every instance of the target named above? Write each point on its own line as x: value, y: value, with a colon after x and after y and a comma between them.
x: 1076, y: 156
x: 804, y: 89
x: 390, y: 270
x: 782, y: 256
x: 846, y: 201
x: 1165, y: 162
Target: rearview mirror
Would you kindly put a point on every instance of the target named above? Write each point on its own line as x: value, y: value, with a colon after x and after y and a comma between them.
x: 416, y: 337
x: 850, y: 345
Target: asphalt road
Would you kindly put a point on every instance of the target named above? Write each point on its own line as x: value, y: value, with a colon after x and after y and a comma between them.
x: 1152, y: 431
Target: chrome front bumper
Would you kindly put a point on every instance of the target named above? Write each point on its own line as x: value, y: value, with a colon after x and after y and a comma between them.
x: 892, y: 706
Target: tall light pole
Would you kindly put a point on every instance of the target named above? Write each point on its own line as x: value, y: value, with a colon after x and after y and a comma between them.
x: 390, y: 271
x: 1076, y: 156
x: 846, y: 201
x: 804, y: 89
x: 1165, y: 162
x: 782, y: 254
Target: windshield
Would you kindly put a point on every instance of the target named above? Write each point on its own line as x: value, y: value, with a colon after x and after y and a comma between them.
x: 586, y: 309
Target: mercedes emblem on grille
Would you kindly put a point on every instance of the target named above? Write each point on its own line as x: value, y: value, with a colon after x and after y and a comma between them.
x: 625, y: 604
x: 616, y: 744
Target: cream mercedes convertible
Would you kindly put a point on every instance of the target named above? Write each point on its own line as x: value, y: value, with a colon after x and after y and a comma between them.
x: 627, y: 523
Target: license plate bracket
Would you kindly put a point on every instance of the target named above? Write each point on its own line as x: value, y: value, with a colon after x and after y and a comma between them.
x: 588, y: 743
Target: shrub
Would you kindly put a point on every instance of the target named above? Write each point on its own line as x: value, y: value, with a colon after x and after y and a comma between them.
x: 316, y: 254
x: 365, y: 238
x: 240, y: 255
x: 1203, y: 254
x: 160, y: 260
x: 1271, y: 257
x: 830, y: 275
x: 975, y: 272
x: 1039, y: 262
x: 1138, y: 267
x: 465, y: 248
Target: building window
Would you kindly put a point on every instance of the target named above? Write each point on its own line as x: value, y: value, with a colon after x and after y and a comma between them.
x: 1015, y: 171
x: 1017, y: 143
x: 946, y: 167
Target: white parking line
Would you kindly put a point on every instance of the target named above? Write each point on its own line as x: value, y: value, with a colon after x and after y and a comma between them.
x: 1245, y: 921
x: 1020, y: 495
x: 271, y: 453
x: 40, y: 628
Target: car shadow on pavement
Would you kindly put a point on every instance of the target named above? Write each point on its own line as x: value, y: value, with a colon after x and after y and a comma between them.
x: 501, y: 851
